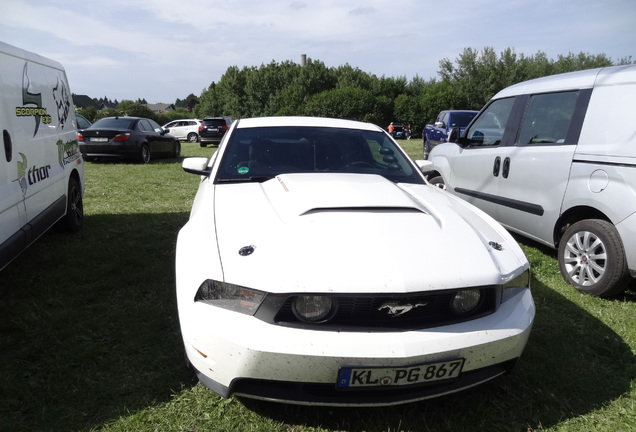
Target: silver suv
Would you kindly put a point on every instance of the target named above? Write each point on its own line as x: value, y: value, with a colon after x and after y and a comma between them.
x: 184, y: 129
x: 554, y: 159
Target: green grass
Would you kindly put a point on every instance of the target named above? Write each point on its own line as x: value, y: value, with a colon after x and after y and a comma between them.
x: 89, y: 337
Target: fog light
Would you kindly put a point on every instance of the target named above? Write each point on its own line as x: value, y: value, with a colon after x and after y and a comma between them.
x: 466, y: 301
x: 313, y: 309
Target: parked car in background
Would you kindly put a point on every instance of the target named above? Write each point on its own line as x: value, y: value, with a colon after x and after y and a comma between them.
x: 213, y: 129
x: 318, y: 267
x: 398, y: 131
x: 135, y: 138
x: 82, y: 122
x: 554, y: 159
x: 438, y: 132
x: 184, y: 129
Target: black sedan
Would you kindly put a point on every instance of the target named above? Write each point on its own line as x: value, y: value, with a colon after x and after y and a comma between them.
x: 134, y: 138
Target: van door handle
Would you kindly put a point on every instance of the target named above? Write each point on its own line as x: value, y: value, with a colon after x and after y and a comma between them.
x: 506, y: 167
x: 495, y: 167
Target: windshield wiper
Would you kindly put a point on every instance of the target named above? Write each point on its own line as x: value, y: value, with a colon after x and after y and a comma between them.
x: 258, y: 179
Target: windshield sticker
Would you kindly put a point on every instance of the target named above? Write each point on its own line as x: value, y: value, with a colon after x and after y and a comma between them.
x: 243, y: 170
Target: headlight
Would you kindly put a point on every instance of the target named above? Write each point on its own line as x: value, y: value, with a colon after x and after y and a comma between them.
x: 466, y: 301
x: 229, y: 296
x: 313, y: 309
x: 522, y: 280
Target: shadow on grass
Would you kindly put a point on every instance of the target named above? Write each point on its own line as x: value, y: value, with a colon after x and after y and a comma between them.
x: 90, y: 333
x: 89, y: 328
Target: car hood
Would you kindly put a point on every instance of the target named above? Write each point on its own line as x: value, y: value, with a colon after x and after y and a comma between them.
x: 356, y: 233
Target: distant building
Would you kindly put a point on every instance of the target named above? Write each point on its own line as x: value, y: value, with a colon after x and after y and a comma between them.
x: 83, y: 101
x: 161, y: 108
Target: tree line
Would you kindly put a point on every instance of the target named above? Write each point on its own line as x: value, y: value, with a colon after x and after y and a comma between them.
x: 314, y: 89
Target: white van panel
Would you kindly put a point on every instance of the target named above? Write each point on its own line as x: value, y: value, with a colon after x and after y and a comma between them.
x: 39, y: 151
x: 609, y: 129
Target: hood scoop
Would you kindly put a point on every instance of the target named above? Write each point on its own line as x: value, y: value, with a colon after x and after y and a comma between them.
x: 293, y: 195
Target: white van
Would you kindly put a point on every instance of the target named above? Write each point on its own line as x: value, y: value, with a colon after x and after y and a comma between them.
x: 554, y: 159
x: 41, y: 168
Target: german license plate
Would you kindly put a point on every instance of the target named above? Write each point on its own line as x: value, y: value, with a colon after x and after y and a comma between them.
x: 391, y: 376
x: 214, y: 130
x: 99, y: 139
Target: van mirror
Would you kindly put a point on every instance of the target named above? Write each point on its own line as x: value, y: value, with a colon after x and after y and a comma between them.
x: 453, y: 136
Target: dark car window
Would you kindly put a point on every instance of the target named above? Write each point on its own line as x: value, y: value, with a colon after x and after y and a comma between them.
x: 265, y: 152
x: 145, y: 126
x: 462, y: 119
x: 113, y: 123
x: 214, y: 122
x: 547, y: 118
x: 154, y: 126
x: 489, y: 127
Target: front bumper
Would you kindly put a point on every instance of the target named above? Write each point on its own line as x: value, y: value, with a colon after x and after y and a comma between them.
x: 239, y: 354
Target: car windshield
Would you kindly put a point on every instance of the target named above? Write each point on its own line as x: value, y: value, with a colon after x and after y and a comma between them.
x: 462, y: 119
x: 261, y: 153
x: 113, y: 123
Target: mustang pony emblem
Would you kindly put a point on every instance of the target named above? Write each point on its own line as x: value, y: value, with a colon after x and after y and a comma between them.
x: 396, y: 309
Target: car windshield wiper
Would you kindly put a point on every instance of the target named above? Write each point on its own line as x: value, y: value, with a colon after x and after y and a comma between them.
x: 258, y: 179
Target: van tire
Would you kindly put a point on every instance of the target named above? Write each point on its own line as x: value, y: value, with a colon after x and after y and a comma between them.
x: 177, y: 149
x: 74, y: 218
x: 581, y: 264
x: 144, y: 156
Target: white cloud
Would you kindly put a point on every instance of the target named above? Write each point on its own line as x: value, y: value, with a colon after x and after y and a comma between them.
x: 162, y: 50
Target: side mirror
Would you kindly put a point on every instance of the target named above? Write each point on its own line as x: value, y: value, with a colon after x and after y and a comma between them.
x: 425, y: 166
x: 196, y: 165
x: 453, y: 136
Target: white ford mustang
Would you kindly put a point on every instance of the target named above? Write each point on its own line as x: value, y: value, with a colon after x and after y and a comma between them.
x: 318, y: 267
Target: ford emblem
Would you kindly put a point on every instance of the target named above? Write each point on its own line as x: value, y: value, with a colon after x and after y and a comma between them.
x: 246, y: 250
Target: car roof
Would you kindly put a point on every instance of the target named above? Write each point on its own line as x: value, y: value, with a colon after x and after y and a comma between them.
x: 305, y: 121
x: 572, y: 81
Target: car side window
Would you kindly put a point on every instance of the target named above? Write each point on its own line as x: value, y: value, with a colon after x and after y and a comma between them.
x: 144, y: 126
x: 488, y: 129
x: 547, y: 118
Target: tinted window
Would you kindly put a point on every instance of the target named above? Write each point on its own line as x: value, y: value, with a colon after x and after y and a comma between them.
x: 113, y: 123
x: 262, y: 153
x: 489, y: 127
x: 214, y: 122
x: 547, y: 118
x: 154, y: 126
x: 461, y: 119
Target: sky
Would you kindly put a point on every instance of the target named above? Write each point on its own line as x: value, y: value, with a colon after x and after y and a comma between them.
x: 161, y: 50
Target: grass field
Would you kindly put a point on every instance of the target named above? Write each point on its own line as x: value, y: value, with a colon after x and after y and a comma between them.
x: 89, y: 337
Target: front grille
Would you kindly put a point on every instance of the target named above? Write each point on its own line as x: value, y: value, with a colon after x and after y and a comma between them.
x: 374, y: 312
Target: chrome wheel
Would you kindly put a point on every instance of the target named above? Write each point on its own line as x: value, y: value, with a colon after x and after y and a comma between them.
x: 192, y: 137
x: 145, y: 154
x: 592, y: 258
x: 585, y: 258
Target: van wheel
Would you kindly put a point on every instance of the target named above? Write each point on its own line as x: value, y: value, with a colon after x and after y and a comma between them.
x: 144, y: 156
x: 438, y: 182
x: 192, y: 137
x: 592, y: 259
x: 74, y: 218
